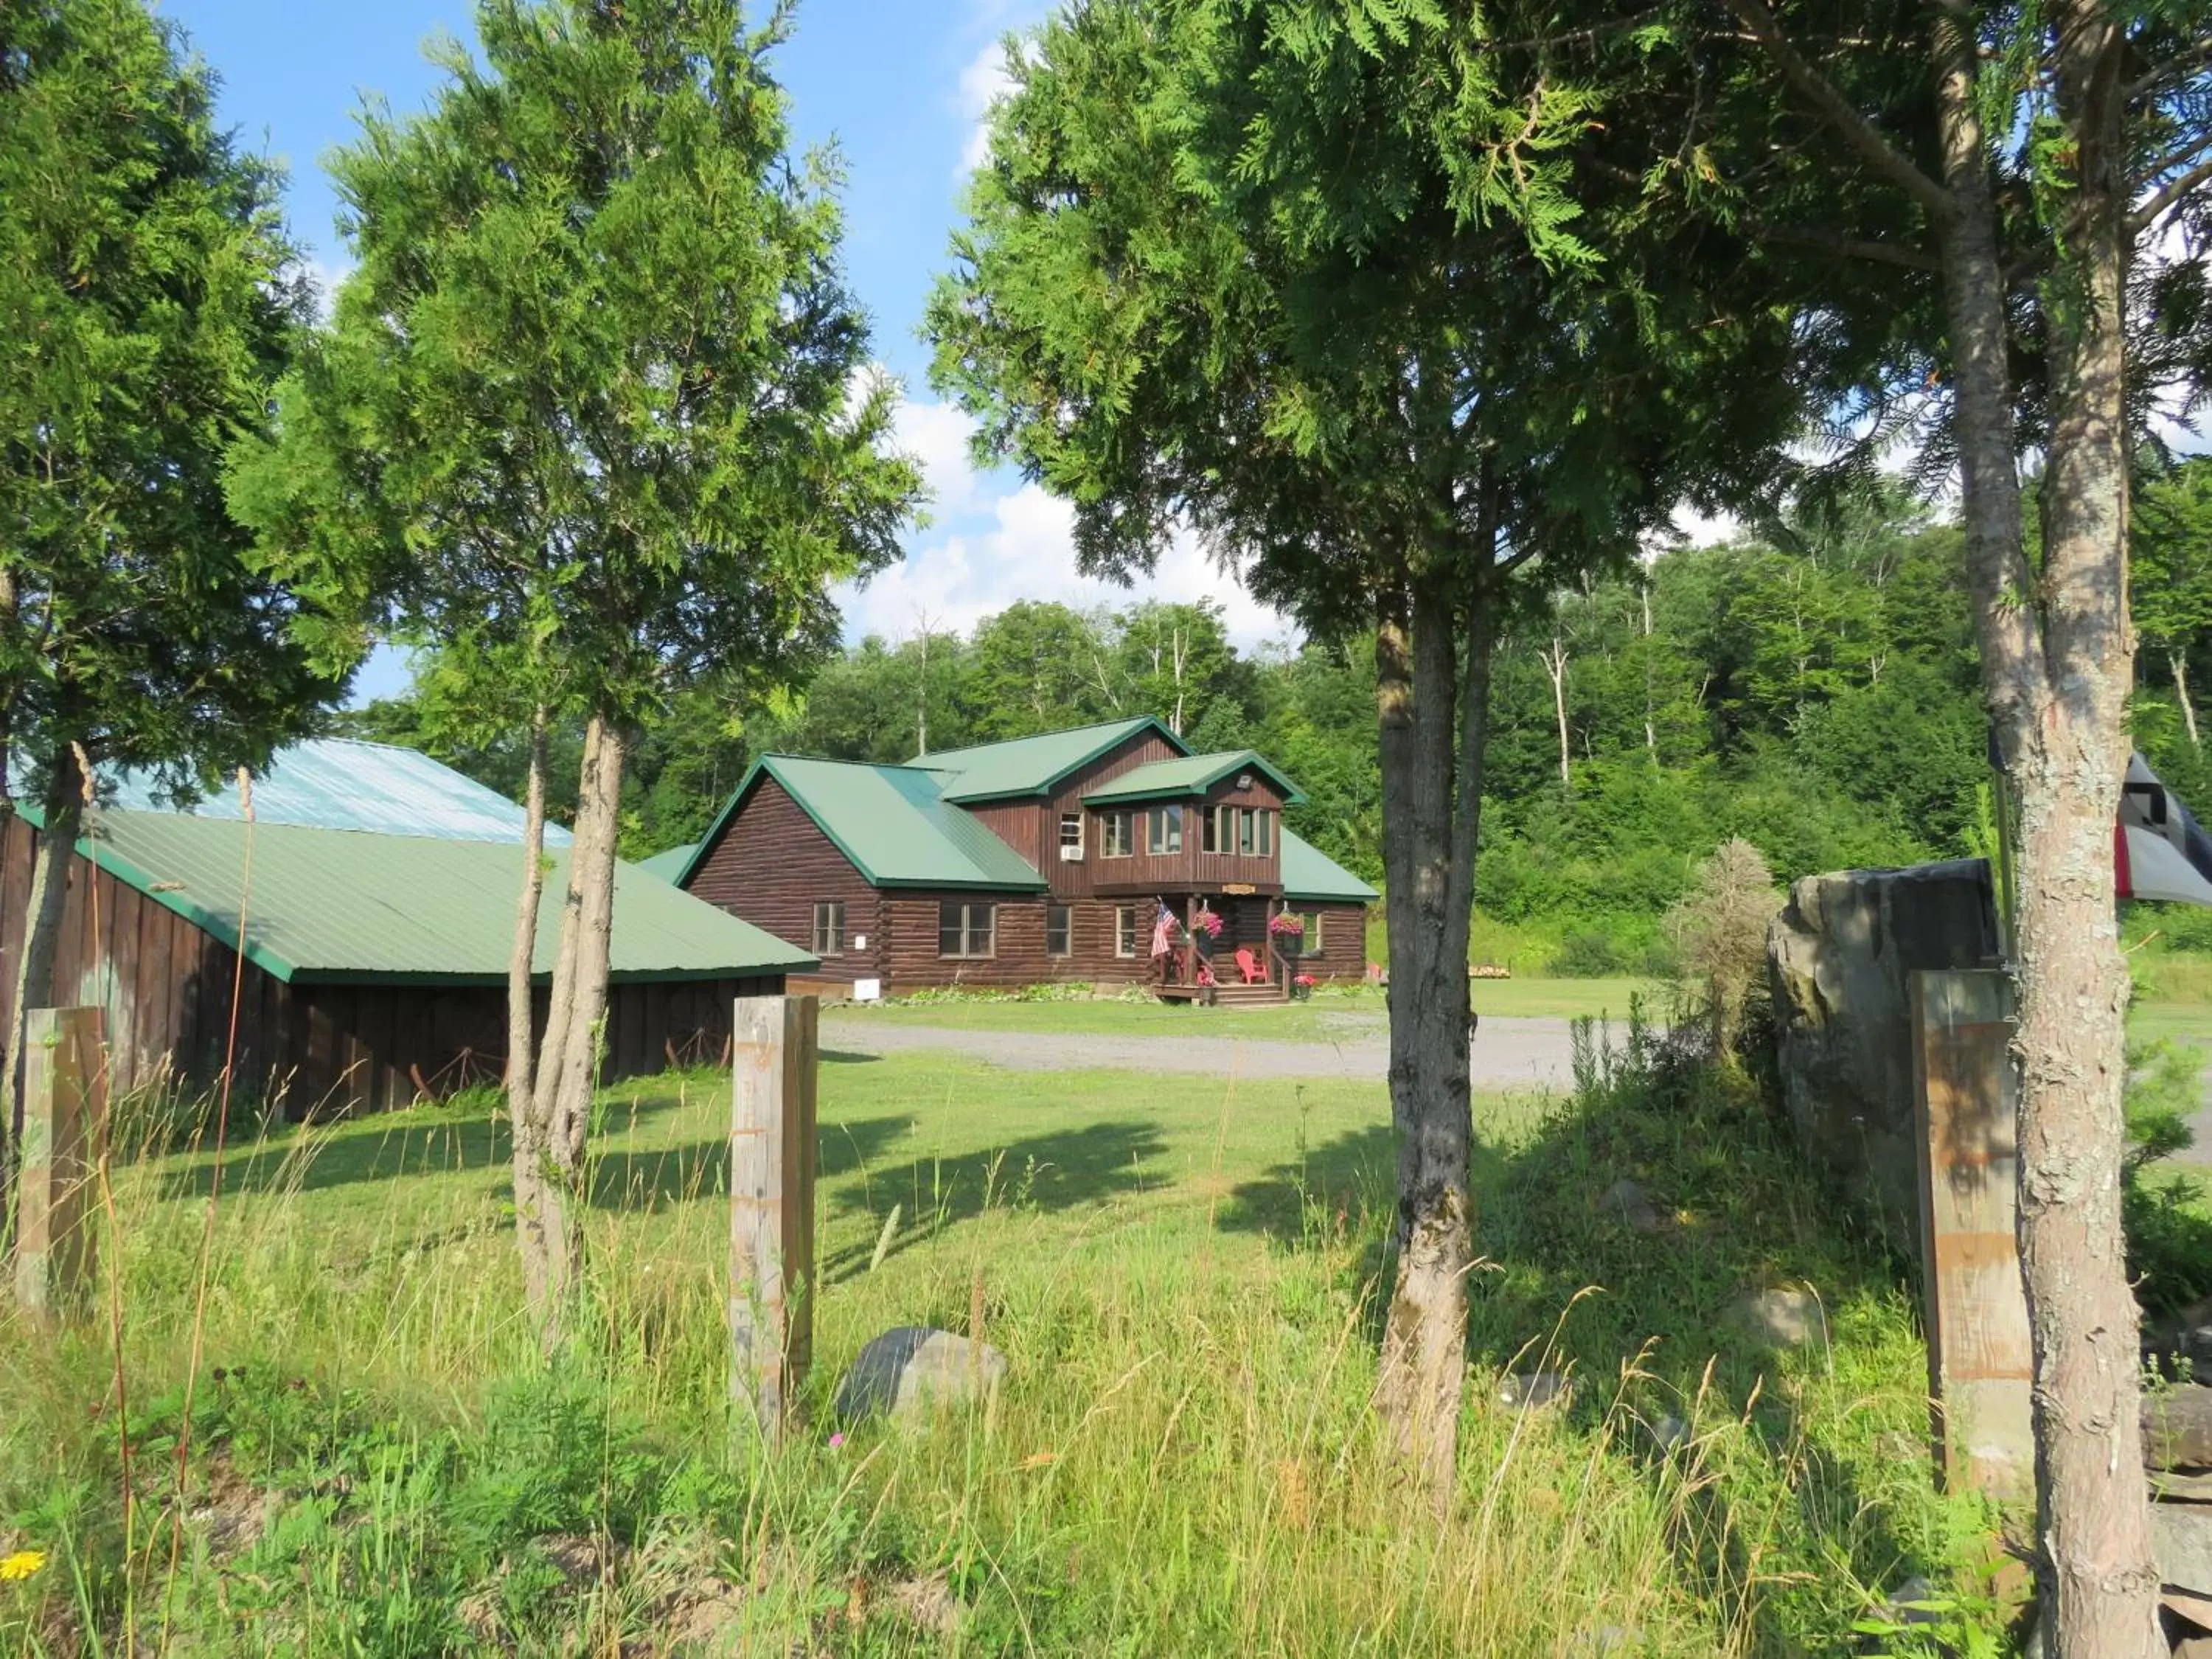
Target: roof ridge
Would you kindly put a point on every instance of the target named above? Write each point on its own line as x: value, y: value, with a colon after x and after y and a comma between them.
x: 1056, y: 731
x: 835, y: 760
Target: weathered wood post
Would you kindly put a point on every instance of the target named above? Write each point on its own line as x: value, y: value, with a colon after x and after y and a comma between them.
x: 1980, y: 1361
x: 774, y: 1051
x: 64, y: 1105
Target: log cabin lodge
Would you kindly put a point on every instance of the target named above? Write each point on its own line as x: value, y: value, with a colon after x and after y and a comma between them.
x: 1039, y: 859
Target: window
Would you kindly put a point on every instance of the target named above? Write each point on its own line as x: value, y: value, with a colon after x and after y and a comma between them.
x: 1311, y: 942
x: 1117, y: 834
x: 1059, y: 930
x: 829, y: 926
x: 967, y: 930
x: 1070, y: 837
x: 1210, y: 838
x: 1247, y: 831
x: 1125, y: 930
x: 1166, y: 823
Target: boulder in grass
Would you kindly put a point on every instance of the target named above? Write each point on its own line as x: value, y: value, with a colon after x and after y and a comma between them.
x: 914, y: 1369
x: 1782, y: 1319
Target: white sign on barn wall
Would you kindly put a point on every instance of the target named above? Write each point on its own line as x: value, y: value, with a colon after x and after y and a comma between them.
x: 867, y: 990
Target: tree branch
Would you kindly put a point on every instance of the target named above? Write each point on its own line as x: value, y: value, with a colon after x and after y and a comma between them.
x: 1822, y: 93
x: 2166, y: 194
x: 1856, y: 247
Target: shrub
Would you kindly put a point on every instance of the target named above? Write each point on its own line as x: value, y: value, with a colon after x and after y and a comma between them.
x: 1718, y: 930
x: 1586, y: 953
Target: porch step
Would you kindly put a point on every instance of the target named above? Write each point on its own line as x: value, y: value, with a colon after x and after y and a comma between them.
x: 1233, y: 996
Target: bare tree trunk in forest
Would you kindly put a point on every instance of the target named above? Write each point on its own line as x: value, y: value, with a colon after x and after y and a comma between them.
x: 568, y: 1058
x: 528, y: 1146
x: 1432, y: 731
x: 1651, y: 730
x: 2059, y: 693
x: 50, y: 870
x: 2177, y: 660
x: 1555, y: 665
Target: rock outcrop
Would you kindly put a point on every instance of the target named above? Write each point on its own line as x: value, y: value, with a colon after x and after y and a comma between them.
x: 1838, y: 957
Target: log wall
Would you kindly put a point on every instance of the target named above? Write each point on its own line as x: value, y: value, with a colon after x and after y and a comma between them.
x: 167, y: 986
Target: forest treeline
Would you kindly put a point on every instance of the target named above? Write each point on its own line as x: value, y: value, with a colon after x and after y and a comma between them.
x: 1813, y: 689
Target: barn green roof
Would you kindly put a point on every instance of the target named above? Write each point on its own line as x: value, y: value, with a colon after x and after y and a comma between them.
x: 1031, y: 766
x: 895, y: 822
x: 670, y: 864
x: 1188, y: 775
x: 336, y: 905
x: 345, y: 783
x: 1310, y: 874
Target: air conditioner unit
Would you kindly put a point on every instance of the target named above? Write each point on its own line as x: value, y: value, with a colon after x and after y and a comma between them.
x: 1070, y: 855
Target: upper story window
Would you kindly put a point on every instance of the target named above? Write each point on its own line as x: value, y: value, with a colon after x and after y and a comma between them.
x: 1247, y: 831
x: 1166, y: 823
x: 829, y: 926
x: 1117, y: 834
x: 1071, y: 837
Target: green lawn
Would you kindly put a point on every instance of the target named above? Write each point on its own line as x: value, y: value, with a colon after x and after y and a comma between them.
x: 1331, y: 1016
x: 1181, y: 1272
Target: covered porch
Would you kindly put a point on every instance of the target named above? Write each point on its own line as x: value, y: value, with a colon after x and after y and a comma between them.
x: 1245, y: 958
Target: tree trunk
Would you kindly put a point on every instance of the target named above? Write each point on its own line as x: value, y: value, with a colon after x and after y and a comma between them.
x: 50, y: 871
x: 1430, y: 798
x: 1555, y: 665
x: 2177, y: 660
x: 567, y: 1057
x: 528, y: 1144
x: 2058, y: 693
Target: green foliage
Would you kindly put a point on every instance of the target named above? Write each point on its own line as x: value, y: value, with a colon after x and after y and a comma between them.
x: 148, y: 297
x: 2168, y: 1224
x: 593, y: 416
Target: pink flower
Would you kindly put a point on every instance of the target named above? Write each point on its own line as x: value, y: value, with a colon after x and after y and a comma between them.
x: 836, y: 1441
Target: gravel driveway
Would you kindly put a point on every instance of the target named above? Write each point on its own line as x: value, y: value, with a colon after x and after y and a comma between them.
x: 1507, y: 1052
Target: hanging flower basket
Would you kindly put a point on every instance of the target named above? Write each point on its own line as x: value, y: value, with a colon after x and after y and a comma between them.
x: 1205, y: 931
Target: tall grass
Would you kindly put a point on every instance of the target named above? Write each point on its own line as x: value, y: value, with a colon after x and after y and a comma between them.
x: 1183, y: 1460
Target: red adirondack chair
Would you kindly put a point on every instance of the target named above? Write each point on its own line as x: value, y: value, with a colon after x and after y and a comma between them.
x: 1250, y: 964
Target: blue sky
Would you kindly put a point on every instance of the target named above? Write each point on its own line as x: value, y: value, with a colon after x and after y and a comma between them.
x: 902, y: 86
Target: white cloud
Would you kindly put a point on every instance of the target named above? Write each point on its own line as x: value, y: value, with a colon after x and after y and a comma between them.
x: 983, y: 83
x: 994, y: 541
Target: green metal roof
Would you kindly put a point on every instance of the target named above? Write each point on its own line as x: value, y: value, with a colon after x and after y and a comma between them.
x: 1190, y: 775
x: 1031, y: 766
x: 895, y: 822
x: 670, y: 864
x: 1310, y: 874
x: 348, y: 905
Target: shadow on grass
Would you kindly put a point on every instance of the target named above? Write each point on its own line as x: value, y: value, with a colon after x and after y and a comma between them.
x: 1048, y: 1172
x: 646, y: 1180
x: 311, y: 1159
x: 1817, y: 1481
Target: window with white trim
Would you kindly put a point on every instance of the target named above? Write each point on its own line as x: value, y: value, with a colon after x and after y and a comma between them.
x: 1117, y: 834
x: 1059, y: 930
x: 1125, y: 930
x: 1070, y: 837
x: 1165, y: 824
x: 829, y: 926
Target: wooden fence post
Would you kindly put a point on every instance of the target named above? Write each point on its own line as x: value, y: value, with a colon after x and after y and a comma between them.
x: 774, y: 1055
x: 1980, y: 1361
x: 64, y: 1102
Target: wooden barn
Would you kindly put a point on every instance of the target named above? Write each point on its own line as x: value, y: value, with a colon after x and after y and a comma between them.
x: 374, y: 895
x: 1044, y: 859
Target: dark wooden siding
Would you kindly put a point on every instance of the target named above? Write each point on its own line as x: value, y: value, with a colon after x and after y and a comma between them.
x: 1080, y: 880
x: 771, y: 866
x: 168, y: 984
x: 1192, y: 868
x: 1343, y: 954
